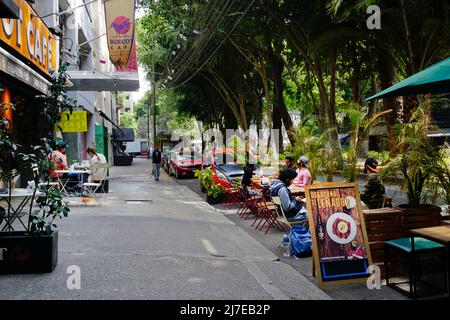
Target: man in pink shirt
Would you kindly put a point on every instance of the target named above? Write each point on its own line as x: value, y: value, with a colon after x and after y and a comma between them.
x: 303, y: 175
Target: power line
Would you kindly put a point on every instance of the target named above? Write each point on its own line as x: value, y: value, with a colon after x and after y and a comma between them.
x: 196, y: 54
x: 218, y: 47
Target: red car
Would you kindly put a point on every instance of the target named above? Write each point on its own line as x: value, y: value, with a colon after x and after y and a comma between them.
x: 182, y: 164
x: 224, y: 166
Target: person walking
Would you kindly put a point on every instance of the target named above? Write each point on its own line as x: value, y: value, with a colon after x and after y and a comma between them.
x: 156, y: 158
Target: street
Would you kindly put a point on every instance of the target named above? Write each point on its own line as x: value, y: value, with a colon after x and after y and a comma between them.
x: 168, y: 245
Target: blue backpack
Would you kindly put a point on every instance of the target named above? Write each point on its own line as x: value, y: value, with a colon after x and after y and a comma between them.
x: 300, y: 241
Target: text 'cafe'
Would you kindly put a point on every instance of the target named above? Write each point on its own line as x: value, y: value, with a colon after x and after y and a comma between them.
x: 29, y: 53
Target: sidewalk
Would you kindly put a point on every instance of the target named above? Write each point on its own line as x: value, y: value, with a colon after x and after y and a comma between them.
x: 168, y: 245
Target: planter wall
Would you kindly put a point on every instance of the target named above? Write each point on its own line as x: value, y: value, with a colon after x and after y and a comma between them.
x: 21, y: 252
x: 215, y: 200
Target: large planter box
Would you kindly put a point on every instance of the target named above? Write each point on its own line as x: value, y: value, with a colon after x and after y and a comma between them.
x: 123, y: 160
x: 425, y: 216
x: 215, y: 200
x: 21, y: 252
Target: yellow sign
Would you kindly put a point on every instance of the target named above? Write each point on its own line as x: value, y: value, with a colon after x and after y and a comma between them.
x: 75, y: 122
x: 30, y: 37
x: 120, y: 25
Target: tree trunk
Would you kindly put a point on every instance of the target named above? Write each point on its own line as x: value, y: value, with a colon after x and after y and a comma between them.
x: 363, y: 146
x: 276, y: 118
x: 277, y: 65
x: 387, y: 72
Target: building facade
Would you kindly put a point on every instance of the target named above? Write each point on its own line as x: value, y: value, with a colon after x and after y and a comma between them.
x: 83, y: 44
x: 35, y: 37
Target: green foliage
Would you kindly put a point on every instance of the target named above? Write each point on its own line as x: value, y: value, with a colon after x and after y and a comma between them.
x: 382, y: 157
x: 417, y: 158
x: 206, y: 178
x: 357, y: 117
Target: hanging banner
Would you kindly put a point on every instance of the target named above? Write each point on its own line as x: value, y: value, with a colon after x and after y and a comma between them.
x: 75, y: 122
x: 132, y: 65
x: 29, y: 39
x: 120, y: 25
x: 336, y: 220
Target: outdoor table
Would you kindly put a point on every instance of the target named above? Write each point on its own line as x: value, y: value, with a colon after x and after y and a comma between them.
x: 19, y: 193
x: 63, y: 184
x: 440, y: 234
x: 296, y: 189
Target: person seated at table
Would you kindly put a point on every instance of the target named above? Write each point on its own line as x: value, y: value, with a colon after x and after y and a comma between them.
x: 289, y: 162
x: 59, y: 158
x: 292, y: 206
x: 373, y: 189
x: 247, y: 179
x: 303, y: 175
x: 95, y: 158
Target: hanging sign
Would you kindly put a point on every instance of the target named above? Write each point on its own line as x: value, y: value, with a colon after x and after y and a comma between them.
x: 120, y: 25
x: 340, y: 246
x: 30, y: 39
x: 72, y: 122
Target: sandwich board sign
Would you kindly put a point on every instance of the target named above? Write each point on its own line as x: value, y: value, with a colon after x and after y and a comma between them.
x: 341, y: 250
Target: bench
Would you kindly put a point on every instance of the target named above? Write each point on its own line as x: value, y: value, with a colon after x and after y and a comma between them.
x: 392, y: 223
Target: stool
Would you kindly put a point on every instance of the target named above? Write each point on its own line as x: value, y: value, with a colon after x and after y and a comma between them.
x: 413, y: 249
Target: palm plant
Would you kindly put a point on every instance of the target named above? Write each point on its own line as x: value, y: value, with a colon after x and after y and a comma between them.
x: 311, y: 144
x: 359, y: 123
x: 417, y: 158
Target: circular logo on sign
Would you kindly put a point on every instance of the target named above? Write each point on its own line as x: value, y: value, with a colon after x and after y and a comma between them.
x: 121, y: 24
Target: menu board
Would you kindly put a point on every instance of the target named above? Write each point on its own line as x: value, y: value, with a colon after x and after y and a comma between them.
x: 340, y: 246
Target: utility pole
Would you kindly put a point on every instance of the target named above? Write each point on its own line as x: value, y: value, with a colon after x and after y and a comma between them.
x: 154, y: 93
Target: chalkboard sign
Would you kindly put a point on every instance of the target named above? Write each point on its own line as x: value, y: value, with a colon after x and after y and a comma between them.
x: 340, y: 247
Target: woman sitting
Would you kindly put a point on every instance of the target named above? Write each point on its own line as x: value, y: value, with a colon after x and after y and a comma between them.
x: 303, y: 175
x: 95, y: 158
x: 292, y: 206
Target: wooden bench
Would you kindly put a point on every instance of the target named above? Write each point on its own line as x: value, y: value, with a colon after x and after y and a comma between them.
x: 393, y: 223
x: 382, y: 225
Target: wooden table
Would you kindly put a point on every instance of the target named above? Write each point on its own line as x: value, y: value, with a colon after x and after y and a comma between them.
x: 296, y: 189
x: 439, y: 234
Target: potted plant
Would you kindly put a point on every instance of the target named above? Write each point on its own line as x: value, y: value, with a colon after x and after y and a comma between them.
x: 214, y: 191
x: 29, y: 240
x: 416, y: 161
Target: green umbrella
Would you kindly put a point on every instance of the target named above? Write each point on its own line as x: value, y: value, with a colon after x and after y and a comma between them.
x: 434, y: 80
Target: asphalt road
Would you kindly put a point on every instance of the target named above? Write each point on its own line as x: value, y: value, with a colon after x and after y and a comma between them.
x: 158, y: 240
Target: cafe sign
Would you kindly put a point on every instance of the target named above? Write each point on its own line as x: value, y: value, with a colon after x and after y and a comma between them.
x: 29, y: 38
x: 341, y: 250
x: 120, y: 25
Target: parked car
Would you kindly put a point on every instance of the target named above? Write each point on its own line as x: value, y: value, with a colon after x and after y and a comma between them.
x: 225, y: 168
x: 182, y: 164
x: 165, y: 161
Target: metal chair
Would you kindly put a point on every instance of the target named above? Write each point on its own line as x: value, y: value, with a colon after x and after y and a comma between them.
x: 288, y: 222
x: 99, y: 173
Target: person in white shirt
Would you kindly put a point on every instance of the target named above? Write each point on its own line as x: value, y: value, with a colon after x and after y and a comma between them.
x: 95, y: 158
